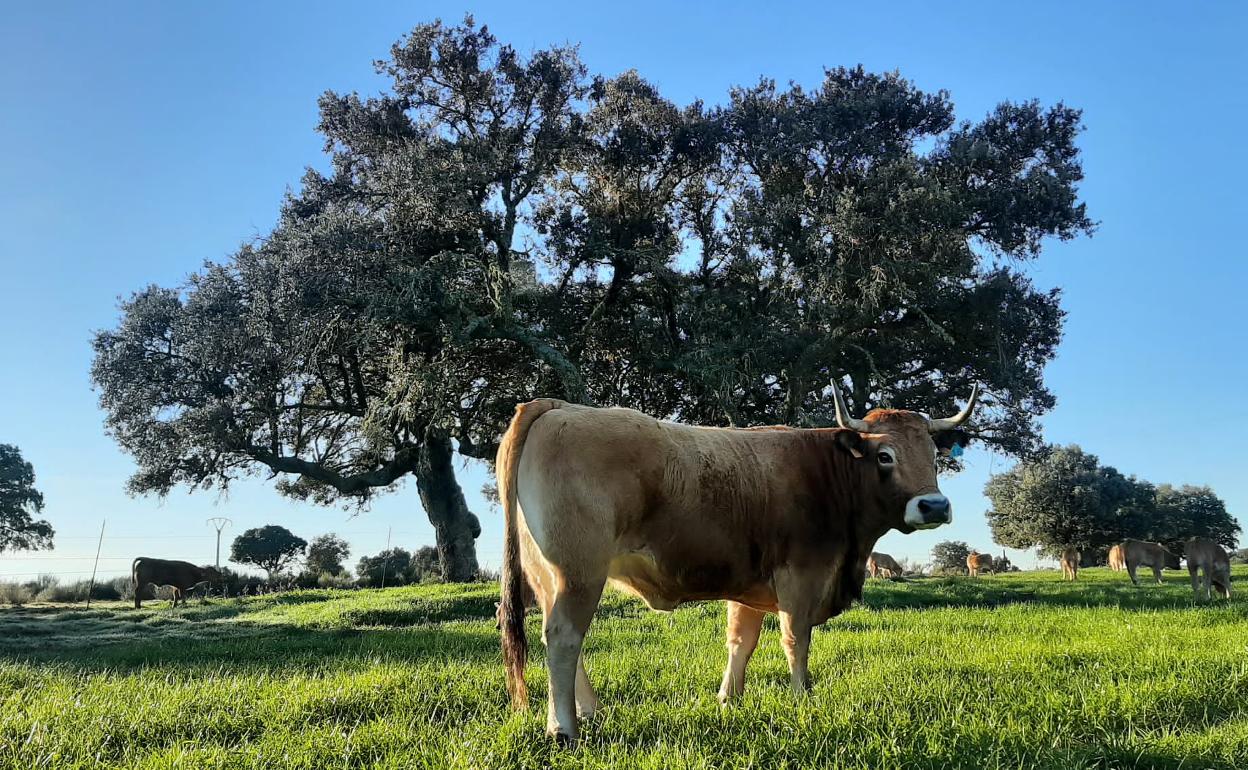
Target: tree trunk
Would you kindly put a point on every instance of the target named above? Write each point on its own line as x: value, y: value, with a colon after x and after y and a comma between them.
x: 457, y: 528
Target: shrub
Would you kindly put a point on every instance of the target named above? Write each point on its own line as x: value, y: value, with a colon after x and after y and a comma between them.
x: 341, y: 580
x: 15, y: 594
x: 77, y: 592
x: 124, y: 586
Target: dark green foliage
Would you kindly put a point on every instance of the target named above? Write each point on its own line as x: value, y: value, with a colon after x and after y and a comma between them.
x: 425, y: 565
x: 949, y: 556
x: 392, y: 567
x: 497, y: 227
x: 19, y: 531
x: 1065, y: 497
x: 271, y: 548
x: 326, y: 553
x: 1191, y: 511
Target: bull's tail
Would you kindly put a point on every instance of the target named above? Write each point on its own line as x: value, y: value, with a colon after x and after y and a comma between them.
x: 511, y: 611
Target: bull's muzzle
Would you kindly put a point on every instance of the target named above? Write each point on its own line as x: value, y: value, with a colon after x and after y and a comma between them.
x: 928, y: 511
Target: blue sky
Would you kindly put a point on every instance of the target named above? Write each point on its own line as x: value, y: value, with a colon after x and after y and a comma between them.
x: 143, y: 139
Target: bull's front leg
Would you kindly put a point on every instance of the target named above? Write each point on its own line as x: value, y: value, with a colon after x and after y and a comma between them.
x: 744, y: 626
x: 795, y: 635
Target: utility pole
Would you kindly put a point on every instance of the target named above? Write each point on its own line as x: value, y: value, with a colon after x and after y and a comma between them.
x: 386, y: 563
x: 91, y: 585
x: 220, y: 523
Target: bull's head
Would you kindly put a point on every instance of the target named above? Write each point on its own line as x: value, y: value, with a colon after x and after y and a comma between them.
x: 212, y: 575
x: 903, y: 446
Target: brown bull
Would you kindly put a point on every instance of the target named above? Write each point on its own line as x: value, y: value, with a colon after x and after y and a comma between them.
x: 1204, y: 554
x: 1136, y: 554
x: 978, y: 562
x: 1070, y: 563
x: 883, y: 565
x: 778, y: 520
x: 181, y: 575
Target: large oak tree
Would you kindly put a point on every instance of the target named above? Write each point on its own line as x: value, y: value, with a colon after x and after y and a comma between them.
x: 497, y: 227
x: 19, y: 499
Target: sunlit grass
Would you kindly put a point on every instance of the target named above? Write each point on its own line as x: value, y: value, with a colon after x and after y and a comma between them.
x: 1012, y: 671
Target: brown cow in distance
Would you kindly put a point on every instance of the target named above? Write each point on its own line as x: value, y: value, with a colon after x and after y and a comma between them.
x: 883, y: 565
x: 1070, y: 563
x: 181, y: 575
x: 1117, y: 561
x: 1204, y: 554
x: 978, y: 562
x: 778, y: 520
x: 1136, y: 554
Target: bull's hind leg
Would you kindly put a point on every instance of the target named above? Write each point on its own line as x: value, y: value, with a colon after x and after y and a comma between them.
x: 1193, y: 573
x: 744, y: 626
x: 564, y: 631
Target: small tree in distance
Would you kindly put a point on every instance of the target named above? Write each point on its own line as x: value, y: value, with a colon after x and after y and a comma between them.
x: 425, y: 565
x: 1065, y: 497
x: 18, y: 500
x: 1185, y: 512
x: 394, y: 564
x: 271, y: 548
x: 949, y: 556
x: 326, y: 554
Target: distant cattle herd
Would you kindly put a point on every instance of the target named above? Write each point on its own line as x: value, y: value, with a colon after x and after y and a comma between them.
x: 1208, y: 564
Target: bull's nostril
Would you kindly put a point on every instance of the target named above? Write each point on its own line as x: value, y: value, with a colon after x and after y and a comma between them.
x: 934, y: 505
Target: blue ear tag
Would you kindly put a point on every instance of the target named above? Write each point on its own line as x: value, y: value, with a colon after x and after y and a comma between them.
x: 955, y: 451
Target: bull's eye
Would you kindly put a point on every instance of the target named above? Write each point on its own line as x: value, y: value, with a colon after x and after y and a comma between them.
x: 885, y: 458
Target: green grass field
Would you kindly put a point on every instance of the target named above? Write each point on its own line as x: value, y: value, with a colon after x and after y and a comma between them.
x: 1019, y: 670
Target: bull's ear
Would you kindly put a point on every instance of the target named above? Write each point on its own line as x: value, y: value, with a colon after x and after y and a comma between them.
x: 946, y: 440
x: 852, y: 441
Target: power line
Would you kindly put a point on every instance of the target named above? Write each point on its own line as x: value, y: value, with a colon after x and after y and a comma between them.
x: 58, y: 558
x: 85, y: 572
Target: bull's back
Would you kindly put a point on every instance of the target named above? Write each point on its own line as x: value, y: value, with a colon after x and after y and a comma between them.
x: 674, y: 512
x: 1141, y: 554
x: 181, y: 574
x: 1208, y: 554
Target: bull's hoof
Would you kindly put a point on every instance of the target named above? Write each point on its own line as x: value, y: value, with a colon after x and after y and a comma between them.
x: 564, y: 740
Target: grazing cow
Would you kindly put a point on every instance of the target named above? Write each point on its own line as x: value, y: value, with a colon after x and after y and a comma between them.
x: 977, y: 562
x: 182, y: 575
x: 779, y: 520
x: 1070, y: 563
x: 1117, y: 560
x: 882, y: 565
x: 1204, y: 554
x: 1137, y: 553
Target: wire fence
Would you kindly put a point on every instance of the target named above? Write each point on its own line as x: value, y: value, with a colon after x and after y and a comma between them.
x: 23, y: 566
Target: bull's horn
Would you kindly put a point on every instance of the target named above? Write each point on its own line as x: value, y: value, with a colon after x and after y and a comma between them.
x: 842, y: 414
x: 947, y: 423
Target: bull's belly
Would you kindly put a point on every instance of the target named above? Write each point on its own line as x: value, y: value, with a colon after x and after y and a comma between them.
x: 639, y: 574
